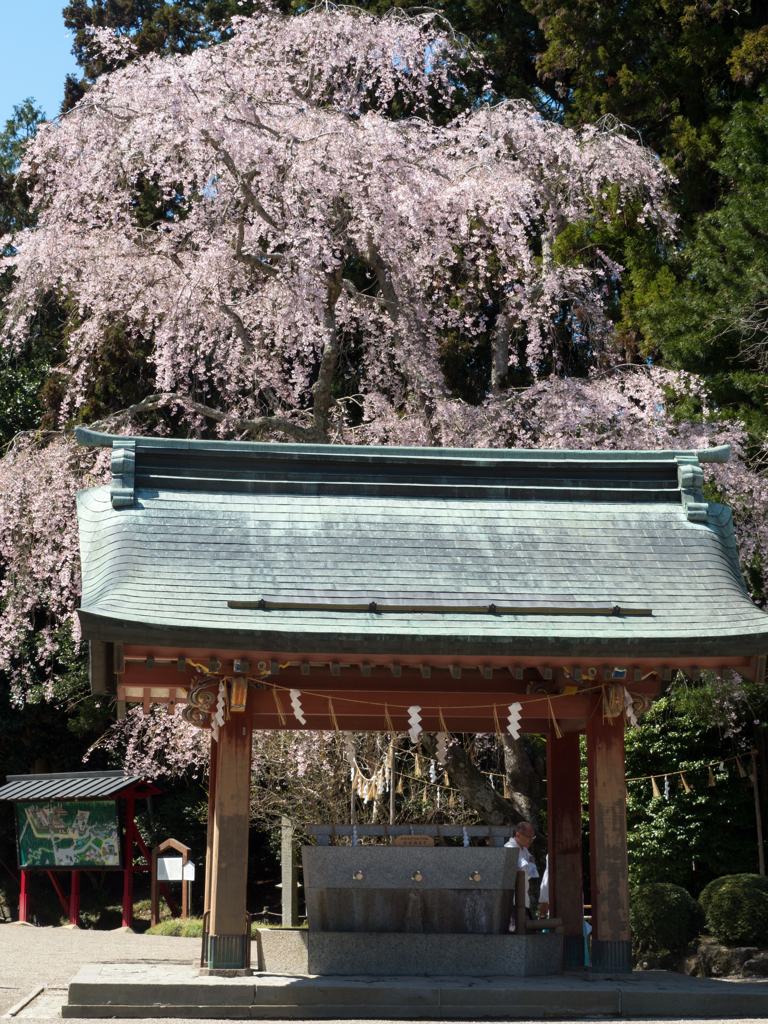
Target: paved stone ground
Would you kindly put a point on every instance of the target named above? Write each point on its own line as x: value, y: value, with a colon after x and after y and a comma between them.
x: 52, y: 956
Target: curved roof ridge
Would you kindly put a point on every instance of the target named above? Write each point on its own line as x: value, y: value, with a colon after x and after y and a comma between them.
x: 93, y: 438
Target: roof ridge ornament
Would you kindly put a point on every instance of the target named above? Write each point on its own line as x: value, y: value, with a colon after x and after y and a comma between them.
x: 123, y: 469
x: 721, y: 453
x: 690, y: 478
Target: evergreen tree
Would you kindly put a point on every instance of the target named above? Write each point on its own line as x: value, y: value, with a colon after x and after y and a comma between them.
x: 710, y: 313
x: 684, y: 77
x: 661, y: 67
x: 23, y: 373
x: 704, y: 827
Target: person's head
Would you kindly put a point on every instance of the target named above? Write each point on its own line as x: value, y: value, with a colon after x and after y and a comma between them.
x: 524, y: 834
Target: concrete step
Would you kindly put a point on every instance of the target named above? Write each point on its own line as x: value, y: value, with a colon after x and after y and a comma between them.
x: 175, y: 991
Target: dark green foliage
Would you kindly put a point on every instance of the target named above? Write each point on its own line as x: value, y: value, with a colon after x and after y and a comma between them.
x: 22, y: 374
x: 660, y: 66
x: 665, y: 918
x: 19, y: 129
x: 714, y: 319
x: 693, y: 837
x: 737, y: 909
x: 15, y: 212
x: 685, y: 78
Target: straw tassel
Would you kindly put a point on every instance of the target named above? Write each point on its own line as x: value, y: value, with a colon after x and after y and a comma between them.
x: 441, y: 721
x: 686, y: 784
x: 656, y: 790
x: 332, y: 715
x: 711, y: 776
x: 497, y: 724
x: 400, y: 789
x: 388, y: 721
x: 555, y: 725
x: 279, y: 706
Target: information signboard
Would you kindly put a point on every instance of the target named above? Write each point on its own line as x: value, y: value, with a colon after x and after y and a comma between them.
x: 60, y: 834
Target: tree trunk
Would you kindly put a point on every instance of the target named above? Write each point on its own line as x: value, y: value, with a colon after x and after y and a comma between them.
x: 523, y: 780
x: 500, y: 354
x: 494, y: 808
x: 321, y: 392
x: 473, y: 785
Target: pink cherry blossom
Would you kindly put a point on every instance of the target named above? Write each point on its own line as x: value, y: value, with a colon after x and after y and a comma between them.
x: 309, y: 206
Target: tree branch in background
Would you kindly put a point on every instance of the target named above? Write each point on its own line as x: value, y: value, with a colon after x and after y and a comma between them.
x: 492, y: 806
x: 258, y: 426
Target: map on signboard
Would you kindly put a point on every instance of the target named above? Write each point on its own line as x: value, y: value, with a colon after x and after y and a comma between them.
x: 63, y: 834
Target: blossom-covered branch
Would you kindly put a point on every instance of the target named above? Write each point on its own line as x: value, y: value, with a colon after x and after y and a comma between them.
x: 266, y: 211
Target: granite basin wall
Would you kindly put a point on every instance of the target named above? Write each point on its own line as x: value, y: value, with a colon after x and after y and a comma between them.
x: 372, y: 889
x: 300, y: 952
x: 387, y: 954
x: 280, y: 950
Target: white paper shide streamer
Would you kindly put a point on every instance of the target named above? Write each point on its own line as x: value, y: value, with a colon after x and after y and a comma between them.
x: 629, y: 710
x: 513, y: 721
x: 349, y: 753
x: 296, y: 705
x: 220, y: 714
x: 414, y: 721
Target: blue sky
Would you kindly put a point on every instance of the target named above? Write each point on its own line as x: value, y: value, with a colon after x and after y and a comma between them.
x: 34, y: 55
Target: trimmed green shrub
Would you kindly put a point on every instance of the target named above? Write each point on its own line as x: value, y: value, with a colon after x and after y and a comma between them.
x: 665, y: 918
x: 190, y: 929
x: 737, y: 909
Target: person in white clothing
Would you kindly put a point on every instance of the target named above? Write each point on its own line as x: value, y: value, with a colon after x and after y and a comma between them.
x: 544, y: 891
x: 522, y: 839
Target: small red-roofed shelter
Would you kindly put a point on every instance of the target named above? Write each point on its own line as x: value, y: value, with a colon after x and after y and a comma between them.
x: 57, y: 789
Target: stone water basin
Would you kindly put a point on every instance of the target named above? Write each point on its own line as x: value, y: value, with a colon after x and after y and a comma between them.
x: 438, y: 890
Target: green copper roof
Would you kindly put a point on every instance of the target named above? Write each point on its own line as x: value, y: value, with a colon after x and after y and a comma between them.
x: 295, y: 548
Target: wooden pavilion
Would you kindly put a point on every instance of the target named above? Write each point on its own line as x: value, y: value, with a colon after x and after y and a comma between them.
x: 386, y: 582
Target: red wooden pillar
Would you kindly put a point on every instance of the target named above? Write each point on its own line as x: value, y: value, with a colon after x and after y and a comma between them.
x: 128, y: 865
x: 564, y: 825
x: 228, y: 941
x: 611, y: 937
x: 24, y: 896
x: 74, y: 899
x: 212, y: 774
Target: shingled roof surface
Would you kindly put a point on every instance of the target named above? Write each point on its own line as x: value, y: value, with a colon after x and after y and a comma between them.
x: 69, y: 786
x: 298, y: 548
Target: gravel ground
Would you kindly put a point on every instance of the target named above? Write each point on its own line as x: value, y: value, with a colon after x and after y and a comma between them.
x: 52, y: 956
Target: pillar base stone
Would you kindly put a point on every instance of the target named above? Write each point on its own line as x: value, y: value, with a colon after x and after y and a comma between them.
x: 235, y: 972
